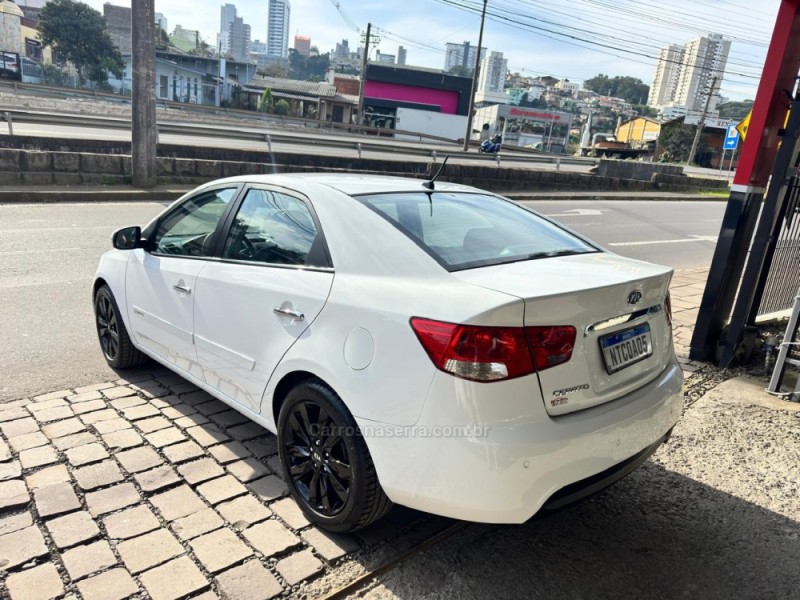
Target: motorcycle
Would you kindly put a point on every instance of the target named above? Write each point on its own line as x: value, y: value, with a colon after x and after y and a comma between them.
x: 491, y: 146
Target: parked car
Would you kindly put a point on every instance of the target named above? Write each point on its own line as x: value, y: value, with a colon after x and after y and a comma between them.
x: 420, y: 343
x: 10, y: 65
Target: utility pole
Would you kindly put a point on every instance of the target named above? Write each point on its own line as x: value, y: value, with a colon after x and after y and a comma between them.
x: 364, y: 63
x: 475, y: 74
x: 702, y: 122
x: 144, y: 129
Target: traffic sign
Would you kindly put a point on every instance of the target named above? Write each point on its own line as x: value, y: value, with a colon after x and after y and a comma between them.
x: 742, y: 127
x: 731, y: 138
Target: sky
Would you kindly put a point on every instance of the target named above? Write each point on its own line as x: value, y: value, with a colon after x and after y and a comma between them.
x: 571, y: 39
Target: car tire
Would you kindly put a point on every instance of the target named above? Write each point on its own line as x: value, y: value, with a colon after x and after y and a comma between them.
x: 325, y: 461
x: 118, y: 350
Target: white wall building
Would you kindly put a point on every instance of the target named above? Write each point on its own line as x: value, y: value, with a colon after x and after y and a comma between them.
x: 704, y: 59
x: 463, y: 55
x: 684, y: 76
x: 227, y: 13
x: 665, y: 78
x: 278, y: 28
x: 568, y: 86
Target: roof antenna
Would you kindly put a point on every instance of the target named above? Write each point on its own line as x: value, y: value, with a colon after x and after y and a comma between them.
x: 429, y: 184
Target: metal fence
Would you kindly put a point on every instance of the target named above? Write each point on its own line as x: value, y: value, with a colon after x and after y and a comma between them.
x: 780, y: 286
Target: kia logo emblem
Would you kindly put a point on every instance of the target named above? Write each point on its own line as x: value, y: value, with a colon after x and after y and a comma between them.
x: 634, y: 297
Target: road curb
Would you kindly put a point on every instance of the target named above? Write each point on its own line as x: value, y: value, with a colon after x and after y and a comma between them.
x: 41, y: 196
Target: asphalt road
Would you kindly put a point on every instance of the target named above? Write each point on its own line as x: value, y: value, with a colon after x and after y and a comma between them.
x: 49, y: 252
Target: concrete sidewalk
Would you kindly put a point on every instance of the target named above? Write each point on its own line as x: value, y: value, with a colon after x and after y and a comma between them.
x: 686, y: 292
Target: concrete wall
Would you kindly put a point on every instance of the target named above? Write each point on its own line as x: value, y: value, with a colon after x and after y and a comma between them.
x: 633, y: 169
x: 53, y: 167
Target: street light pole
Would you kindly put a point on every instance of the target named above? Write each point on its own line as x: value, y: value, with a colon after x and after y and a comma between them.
x: 475, y: 74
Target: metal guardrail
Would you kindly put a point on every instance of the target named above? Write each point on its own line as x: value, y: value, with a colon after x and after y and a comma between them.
x: 270, y: 137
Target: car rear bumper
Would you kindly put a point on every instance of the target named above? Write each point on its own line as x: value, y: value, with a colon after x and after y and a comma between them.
x: 456, y: 462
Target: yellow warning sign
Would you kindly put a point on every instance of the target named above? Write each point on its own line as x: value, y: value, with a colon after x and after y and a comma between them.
x: 742, y: 127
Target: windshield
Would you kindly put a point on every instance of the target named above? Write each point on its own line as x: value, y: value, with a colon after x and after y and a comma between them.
x: 463, y: 231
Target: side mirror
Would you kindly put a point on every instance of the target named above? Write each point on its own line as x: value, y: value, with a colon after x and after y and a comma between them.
x: 127, y: 238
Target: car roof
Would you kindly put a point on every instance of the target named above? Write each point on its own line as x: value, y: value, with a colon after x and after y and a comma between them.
x: 350, y: 184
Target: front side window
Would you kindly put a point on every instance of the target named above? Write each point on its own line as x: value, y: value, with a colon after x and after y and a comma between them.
x: 272, y: 228
x: 463, y: 231
x: 189, y: 230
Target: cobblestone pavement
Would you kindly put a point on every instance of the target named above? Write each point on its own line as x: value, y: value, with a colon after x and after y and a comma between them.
x: 148, y: 487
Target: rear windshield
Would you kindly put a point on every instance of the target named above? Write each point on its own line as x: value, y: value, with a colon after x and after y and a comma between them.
x: 463, y: 231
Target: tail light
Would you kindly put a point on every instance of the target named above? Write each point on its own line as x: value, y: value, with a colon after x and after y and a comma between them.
x: 485, y: 354
x: 668, y: 309
x: 551, y: 346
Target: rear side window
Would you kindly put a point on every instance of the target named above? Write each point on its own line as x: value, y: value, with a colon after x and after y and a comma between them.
x: 463, y: 231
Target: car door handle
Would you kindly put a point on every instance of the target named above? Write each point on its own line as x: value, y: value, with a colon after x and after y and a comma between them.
x: 288, y: 312
x: 180, y: 287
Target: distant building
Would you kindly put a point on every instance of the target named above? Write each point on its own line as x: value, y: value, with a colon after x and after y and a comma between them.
x: 239, y: 40
x: 461, y: 55
x: 161, y: 21
x: 416, y: 100
x: 118, y: 26
x: 389, y: 59
x: 191, y: 79
x: 569, y: 86
x: 401, y: 56
x: 683, y: 77
x: 342, y: 51
x: 307, y: 99
x: 302, y: 44
x: 278, y: 28
x: 665, y: 78
x: 492, y: 80
x: 227, y: 13
x: 258, y: 47
x: 493, y: 72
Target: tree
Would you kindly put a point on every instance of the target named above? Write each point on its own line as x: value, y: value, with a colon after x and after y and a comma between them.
x: 735, y: 110
x: 645, y: 111
x: 77, y: 32
x: 676, y: 140
x: 308, y: 67
x: 632, y: 89
x: 266, y: 103
x: 282, y: 108
x: 460, y: 71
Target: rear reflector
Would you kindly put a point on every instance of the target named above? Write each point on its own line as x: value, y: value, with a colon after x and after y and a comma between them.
x: 482, y: 353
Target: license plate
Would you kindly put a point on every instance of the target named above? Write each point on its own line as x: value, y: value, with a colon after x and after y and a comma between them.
x: 625, y: 348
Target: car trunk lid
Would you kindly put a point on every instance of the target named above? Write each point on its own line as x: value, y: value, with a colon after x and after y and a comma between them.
x: 616, y: 305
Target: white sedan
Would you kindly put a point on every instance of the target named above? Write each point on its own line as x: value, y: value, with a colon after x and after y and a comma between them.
x: 426, y: 344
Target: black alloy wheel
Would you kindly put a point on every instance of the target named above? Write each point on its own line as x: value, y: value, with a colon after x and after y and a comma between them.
x: 107, y: 327
x: 326, y: 462
x: 318, y: 460
x: 116, y: 344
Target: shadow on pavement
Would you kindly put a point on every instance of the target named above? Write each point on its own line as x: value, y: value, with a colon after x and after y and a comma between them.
x: 656, y: 534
